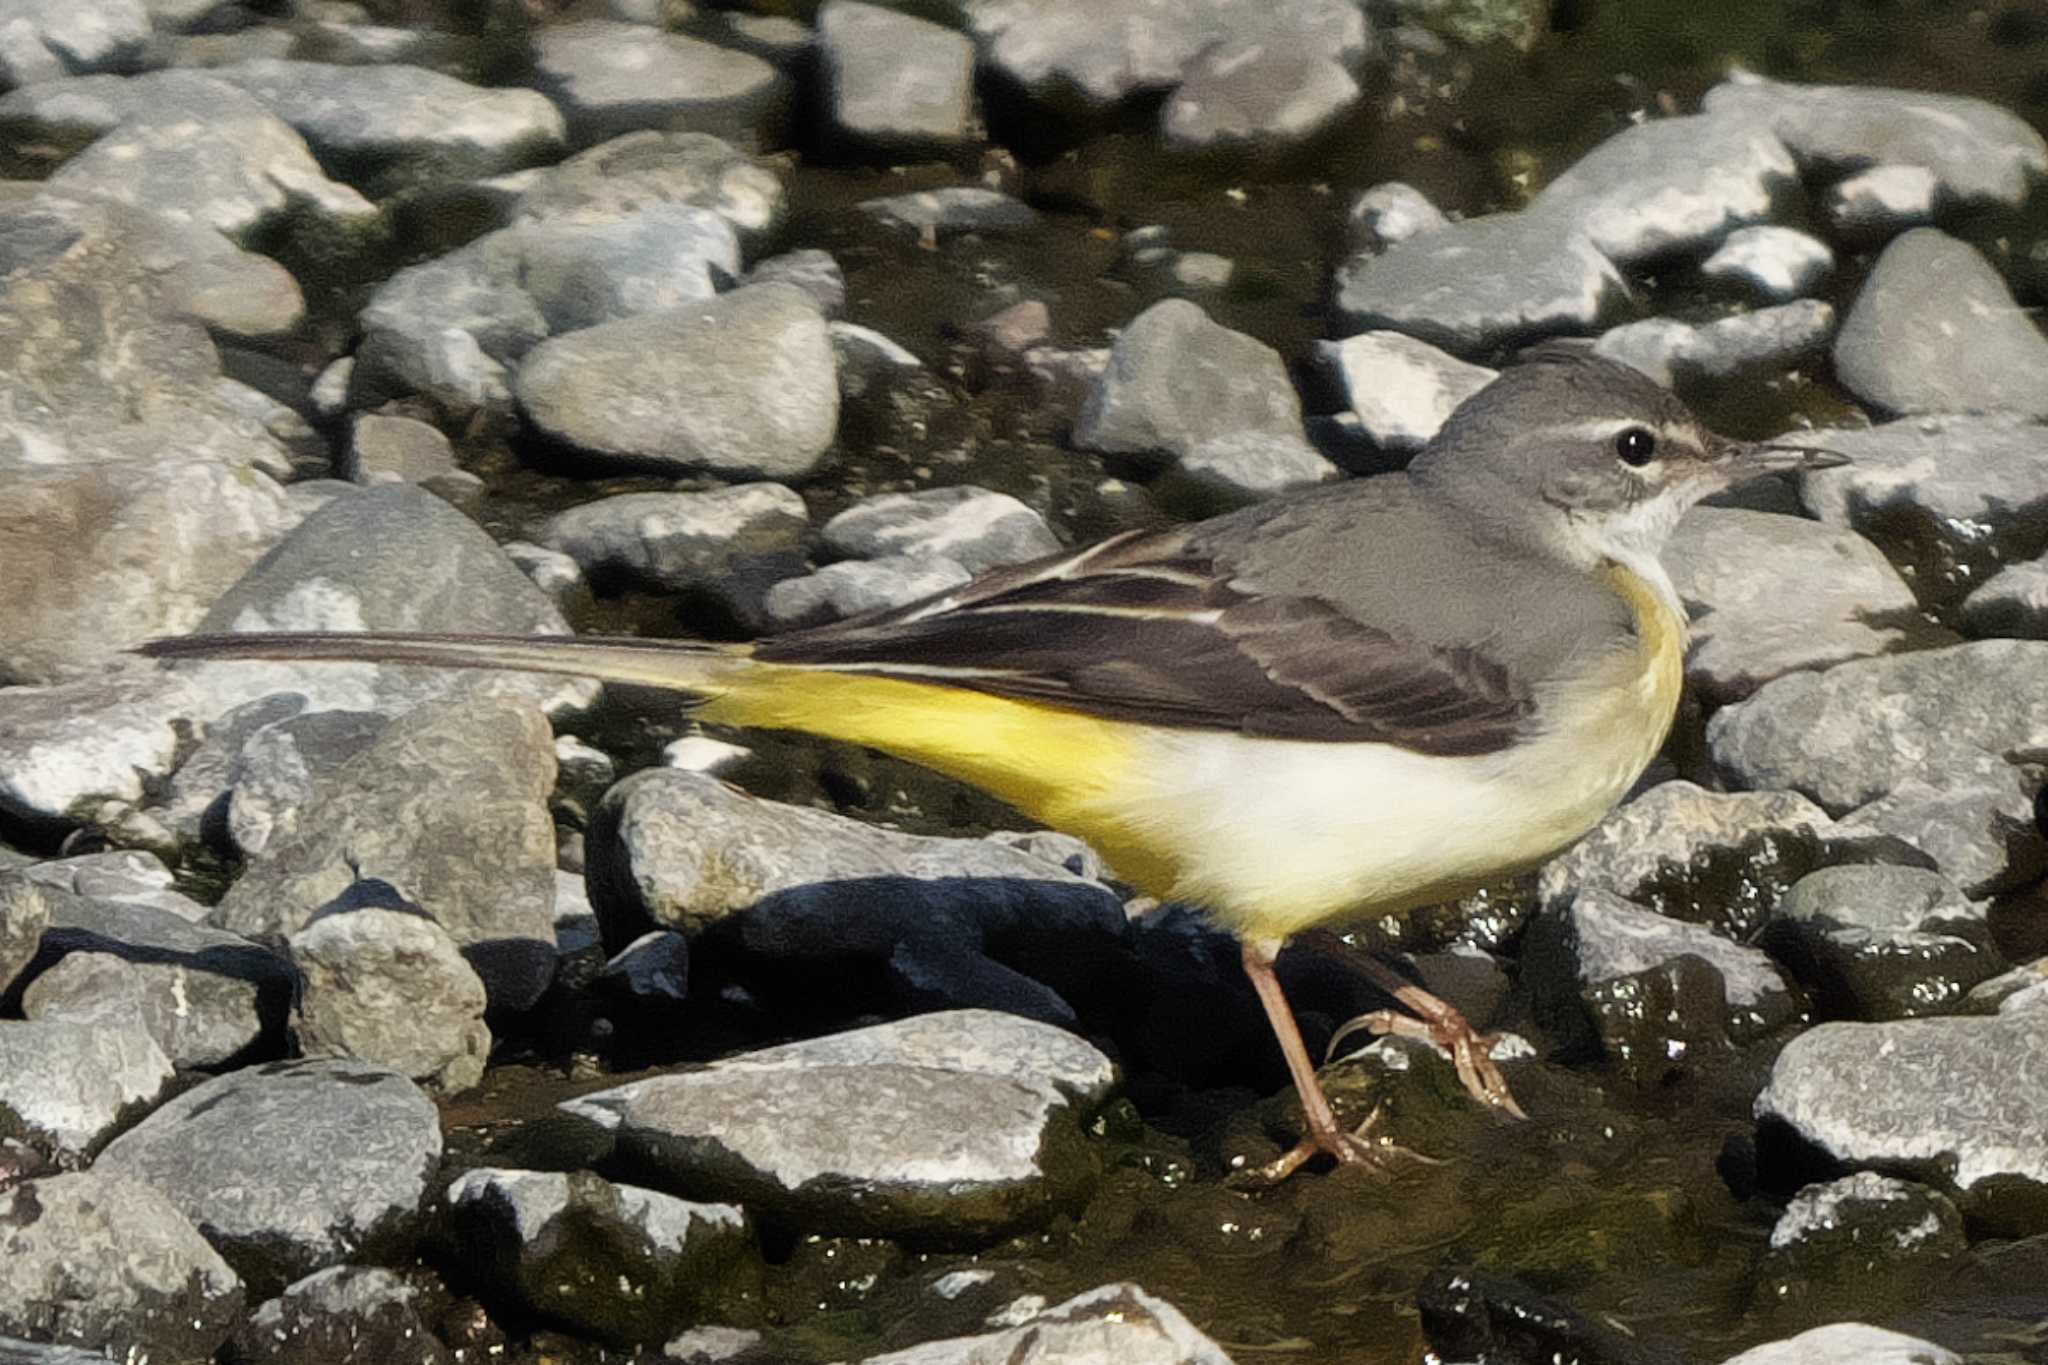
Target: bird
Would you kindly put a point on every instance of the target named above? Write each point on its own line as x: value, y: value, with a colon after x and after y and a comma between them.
x: 1351, y: 700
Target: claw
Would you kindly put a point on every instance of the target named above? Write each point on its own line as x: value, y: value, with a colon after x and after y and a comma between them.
x: 1359, y: 1147
x: 1437, y: 1022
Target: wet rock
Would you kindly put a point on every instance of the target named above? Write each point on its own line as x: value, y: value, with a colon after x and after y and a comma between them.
x: 1847, y: 1343
x: 45, y: 40
x: 957, y: 1127
x: 1176, y: 379
x: 1715, y: 858
x: 1899, y: 346
x: 809, y: 269
x: 646, y: 168
x: 617, y: 1262
x: 1730, y: 567
x: 66, y: 1085
x: 1388, y: 213
x: 854, y: 586
x: 1117, y: 1322
x: 397, y: 449
x: 1865, y: 1238
x: 2013, y: 602
x: 1234, y: 470
x: 1765, y: 338
x: 1976, y: 150
x: 344, y: 1315
x: 1883, y: 200
x: 729, y: 546
x: 395, y: 126
x: 1672, y: 184
x: 207, y: 997
x: 292, y: 1166
x: 612, y: 78
x: 950, y: 211
x: 743, y: 386
x: 1256, y: 95
x: 390, y: 988
x: 1776, y: 263
x: 1400, y: 389
x: 449, y: 806
x: 109, y: 1264
x: 1879, y: 943
x: 1656, y: 1024
x: 972, y: 527
x: 1479, y: 283
x: 895, y: 82
x: 1471, y: 1315
x: 434, y: 570
x: 1958, y: 1103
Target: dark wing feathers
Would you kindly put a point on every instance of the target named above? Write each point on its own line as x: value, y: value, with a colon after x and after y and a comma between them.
x: 1138, y: 629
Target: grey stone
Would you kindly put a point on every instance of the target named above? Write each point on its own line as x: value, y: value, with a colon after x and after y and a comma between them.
x: 654, y: 967
x: 1008, y: 333
x: 344, y: 1315
x: 292, y: 1166
x: 869, y: 362
x: 109, y: 1264
x: 1878, y: 897
x: 2012, y: 602
x: 714, y: 1346
x: 1777, y: 263
x: 1239, y: 468
x: 1979, y: 830
x: 646, y: 168
x: 403, y: 126
x: 1772, y: 594
x: 118, y: 874
x: 252, y: 775
x: 1259, y: 95
x: 1667, y: 350
x: 1610, y: 937
x: 448, y: 806
x: 612, y: 78
x: 1481, y: 282
x: 855, y: 586
x: 392, y: 989
x: 1882, y: 942
x: 66, y: 1085
x: 1400, y: 389
x: 972, y: 527
x: 48, y: 39
x: 1176, y: 379
x: 1847, y: 1343
x: 402, y: 449
x: 68, y: 751
x: 954, y: 1125
x: 1116, y: 1324
x: 783, y: 39
x: 1390, y: 212
x: 952, y: 210
x: 1672, y: 184
x: 1883, y: 200
x: 613, y: 1261
x: 895, y: 82
x: 809, y: 269
x: 1976, y: 150
x: 328, y: 396
x: 1866, y: 1235
x: 728, y: 545
x: 1934, y: 329
x: 553, y: 572
x: 1959, y: 1103
x: 743, y: 386
x: 2021, y: 988
x: 24, y: 914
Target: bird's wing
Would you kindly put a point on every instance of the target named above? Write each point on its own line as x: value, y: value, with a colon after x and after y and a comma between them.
x: 1140, y: 628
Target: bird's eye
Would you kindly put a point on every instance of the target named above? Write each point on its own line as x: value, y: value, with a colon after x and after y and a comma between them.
x: 1637, y: 446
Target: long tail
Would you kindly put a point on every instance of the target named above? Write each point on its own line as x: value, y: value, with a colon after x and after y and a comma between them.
x: 682, y: 665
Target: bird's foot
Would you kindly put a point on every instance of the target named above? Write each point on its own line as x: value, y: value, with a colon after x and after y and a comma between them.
x: 1436, y: 1021
x: 1361, y: 1146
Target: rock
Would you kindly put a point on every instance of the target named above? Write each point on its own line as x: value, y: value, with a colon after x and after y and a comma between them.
x: 553, y: 572
x: 1240, y: 468
x: 653, y: 969
x: 1975, y: 150
x: 646, y: 168
x: 1883, y: 200
x: 1672, y: 184
x: 1117, y: 1322
x: 434, y: 570
x: 1847, y: 1343
x: 895, y: 83
x: 1400, y: 389
x: 2022, y: 988
x: 728, y: 546
x: 743, y: 386
x: 1976, y: 830
x: 252, y: 776
x: 1958, y: 1103
x: 809, y: 269
x: 616, y: 1262
x: 1764, y: 338
x: 1006, y: 334
x: 390, y: 988
x: 869, y: 363
x: 612, y: 78
x: 1259, y: 95
x: 1482, y: 282
x: 783, y: 39
x: 714, y: 1346
x: 2013, y: 602
x: 344, y: 1315
x: 855, y: 586
x: 950, y: 211
x: 1776, y: 263
x: 68, y: 751
x: 1390, y: 212
x: 66, y: 1085
x: 1934, y: 329
x: 111, y: 1265
x: 973, y: 527
x: 24, y: 914
x: 1732, y: 568
x: 1858, y: 1236
x: 208, y: 998
x: 45, y: 40
x: 1474, y: 1315
x: 1880, y: 943
x: 1176, y: 380
x: 399, y: 127
x: 117, y: 874
x: 396, y: 449
x: 292, y: 1166
x: 953, y: 1127
x: 449, y: 806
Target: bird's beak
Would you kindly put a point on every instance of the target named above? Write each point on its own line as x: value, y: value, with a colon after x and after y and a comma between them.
x: 1741, y: 461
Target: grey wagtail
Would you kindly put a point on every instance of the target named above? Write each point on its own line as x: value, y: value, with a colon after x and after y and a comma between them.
x: 1352, y: 700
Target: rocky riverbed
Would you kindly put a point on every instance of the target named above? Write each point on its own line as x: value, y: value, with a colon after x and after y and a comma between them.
x: 353, y: 1015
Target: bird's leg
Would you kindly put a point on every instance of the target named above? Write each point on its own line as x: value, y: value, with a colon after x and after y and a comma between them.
x: 1436, y: 1021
